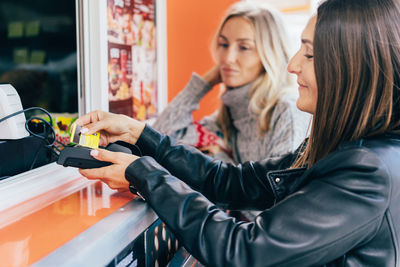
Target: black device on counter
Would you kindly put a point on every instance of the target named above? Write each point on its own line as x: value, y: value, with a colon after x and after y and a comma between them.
x: 20, y: 155
x: 79, y: 156
x: 35, y: 150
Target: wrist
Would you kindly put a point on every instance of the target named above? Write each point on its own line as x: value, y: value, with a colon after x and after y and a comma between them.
x: 135, y: 130
x: 212, y: 77
x: 210, y: 80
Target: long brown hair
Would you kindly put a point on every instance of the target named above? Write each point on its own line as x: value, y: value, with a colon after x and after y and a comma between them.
x: 357, y: 68
x: 272, y: 44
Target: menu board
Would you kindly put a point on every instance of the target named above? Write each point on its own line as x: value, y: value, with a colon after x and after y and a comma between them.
x: 132, y: 58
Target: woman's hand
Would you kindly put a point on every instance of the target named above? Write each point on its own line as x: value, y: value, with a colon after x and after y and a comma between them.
x: 113, y: 175
x: 213, y: 76
x: 211, y: 150
x: 112, y: 127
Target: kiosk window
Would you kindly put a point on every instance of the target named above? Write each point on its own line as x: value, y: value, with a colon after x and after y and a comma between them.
x: 38, y: 57
x: 38, y: 53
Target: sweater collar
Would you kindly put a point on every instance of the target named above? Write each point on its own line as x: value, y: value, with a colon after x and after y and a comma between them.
x: 237, y: 100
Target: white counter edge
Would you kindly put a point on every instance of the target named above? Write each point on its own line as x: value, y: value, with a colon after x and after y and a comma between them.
x: 27, y: 185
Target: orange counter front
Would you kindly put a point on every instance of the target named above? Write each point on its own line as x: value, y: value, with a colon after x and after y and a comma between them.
x: 52, y: 216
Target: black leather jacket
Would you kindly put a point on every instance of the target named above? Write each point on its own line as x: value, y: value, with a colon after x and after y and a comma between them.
x: 343, y: 211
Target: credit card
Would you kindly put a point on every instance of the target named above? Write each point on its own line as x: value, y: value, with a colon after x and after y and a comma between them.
x: 90, y: 140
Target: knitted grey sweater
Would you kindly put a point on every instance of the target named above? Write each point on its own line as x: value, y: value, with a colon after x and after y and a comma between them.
x: 287, y: 130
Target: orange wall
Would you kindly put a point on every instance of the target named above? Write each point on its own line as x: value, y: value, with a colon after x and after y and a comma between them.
x: 191, y: 25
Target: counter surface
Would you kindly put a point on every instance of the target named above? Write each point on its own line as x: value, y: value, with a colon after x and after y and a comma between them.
x: 52, y: 216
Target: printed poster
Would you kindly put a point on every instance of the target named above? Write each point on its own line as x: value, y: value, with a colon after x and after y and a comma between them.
x: 132, y: 59
x: 120, y: 78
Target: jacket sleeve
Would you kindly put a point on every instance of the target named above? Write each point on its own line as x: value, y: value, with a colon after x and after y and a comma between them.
x: 229, y: 186
x: 333, y: 213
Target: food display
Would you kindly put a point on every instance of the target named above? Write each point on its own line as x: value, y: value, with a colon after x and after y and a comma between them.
x: 132, y: 60
x: 62, y: 125
x: 119, y: 72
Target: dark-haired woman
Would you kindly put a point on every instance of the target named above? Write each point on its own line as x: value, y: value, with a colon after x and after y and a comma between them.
x: 335, y: 202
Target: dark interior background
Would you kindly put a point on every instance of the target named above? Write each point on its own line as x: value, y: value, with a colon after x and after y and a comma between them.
x: 38, y: 52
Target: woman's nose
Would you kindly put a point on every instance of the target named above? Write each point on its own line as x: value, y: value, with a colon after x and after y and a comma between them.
x: 294, y: 66
x: 231, y: 55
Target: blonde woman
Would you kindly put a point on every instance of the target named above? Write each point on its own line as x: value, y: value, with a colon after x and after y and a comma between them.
x: 258, y: 117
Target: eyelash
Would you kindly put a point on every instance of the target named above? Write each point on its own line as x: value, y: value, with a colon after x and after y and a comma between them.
x: 308, y: 56
x: 243, y: 48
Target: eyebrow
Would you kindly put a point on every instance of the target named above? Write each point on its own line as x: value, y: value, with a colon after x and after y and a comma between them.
x: 240, y: 39
x: 306, y: 41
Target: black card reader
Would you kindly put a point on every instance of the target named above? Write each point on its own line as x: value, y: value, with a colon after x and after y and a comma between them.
x: 79, y: 156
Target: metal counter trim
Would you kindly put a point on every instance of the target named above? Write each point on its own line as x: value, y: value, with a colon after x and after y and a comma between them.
x: 98, y: 245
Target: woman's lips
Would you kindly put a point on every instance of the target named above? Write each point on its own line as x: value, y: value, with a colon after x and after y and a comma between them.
x: 229, y: 71
x: 302, y: 86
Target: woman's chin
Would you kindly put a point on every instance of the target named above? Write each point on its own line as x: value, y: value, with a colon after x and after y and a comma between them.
x: 232, y: 84
x: 305, y: 107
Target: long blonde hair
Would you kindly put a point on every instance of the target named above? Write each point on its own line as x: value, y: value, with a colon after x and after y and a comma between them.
x: 272, y: 45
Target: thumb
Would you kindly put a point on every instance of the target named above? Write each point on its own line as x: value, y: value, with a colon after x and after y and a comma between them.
x: 97, y: 126
x: 104, y: 155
